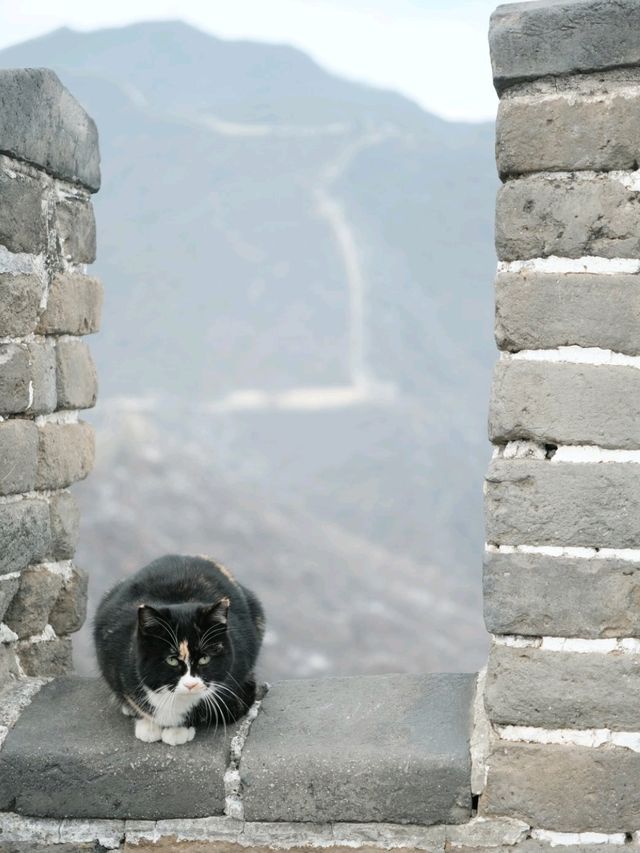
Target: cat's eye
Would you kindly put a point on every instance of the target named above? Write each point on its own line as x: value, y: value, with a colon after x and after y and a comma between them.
x: 204, y: 659
x: 172, y: 660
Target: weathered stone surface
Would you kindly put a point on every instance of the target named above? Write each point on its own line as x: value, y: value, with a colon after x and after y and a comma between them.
x: 572, y: 690
x: 77, y: 380
x: 565, y: 404
x: 20, y: 297
x: 540, y: 311
x: 73, y: 307
x: 70, y: 609
x: 15, y: 377
x: 19, y: 455
x: 564, y: 788
x: 73, y: 729
x: 8, y: 588
x: 65, y: 526
x: 541, y: 502
x: 8, y: 663
x: 15, y: 695
x: 482, y: 833
x: 538, y: 595
x: 23, y: 225
x: 29, y: 610
x: 42, y: 358
x: 25, y: 534
x: 48, y: 658
x: 571, y: 216
x: 66, y: 454
x: 530, y: 40
x: 317, y: 745
x: 76, y: 229
x: 41, y: 122
x: 535, y: 845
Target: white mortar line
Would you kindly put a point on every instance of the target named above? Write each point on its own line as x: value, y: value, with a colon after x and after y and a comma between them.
x: 39, y: 495
x: 572, y: 453
x: 631, y: 555
x: 563, y: 839
x: 9, y: 576
x: 575, y: 355
x: 554, y: 265
x: 22, y: 263
x: 6, y: 634
x: 615, y: 91
x: 479, y: 744
x: 67, y: 416
x: 47, y: 635
x: 576, y: 645
x: 592, y: 738
x: 233, y: 805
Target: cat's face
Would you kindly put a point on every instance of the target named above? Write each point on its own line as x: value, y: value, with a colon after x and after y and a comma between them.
x: 183, y: 650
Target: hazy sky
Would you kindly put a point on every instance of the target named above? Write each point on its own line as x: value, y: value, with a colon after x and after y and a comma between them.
x: 434, y: 51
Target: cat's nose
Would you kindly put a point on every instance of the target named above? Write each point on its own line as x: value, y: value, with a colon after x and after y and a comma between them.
x: 191, y: 683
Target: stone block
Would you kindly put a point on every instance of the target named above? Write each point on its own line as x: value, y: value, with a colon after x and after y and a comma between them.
x: 77, y: 380
x: 15, y: 379
x: 565, y: 404
x: 529, y: 40
x: 70, y: 609
x: 25, y: 534
x: 74, y: 305
x: 564, y: 788
x: 541, y: 502
x: 571, y: 216
x: 19, y: 455
x: 20, y: 297
x: 15, y: 695
x: 41, y: 122
x: 539, y: 595
x: 46, y: 658
x: 36, y: 596
x: 75, y: 227
x: 74, y: 730
x: 66, y: 454
x: 572, y: 690
x: 65, y: 526
x: 381, y: 748
x: 42, y: 361
x: 9, y: 667
x: 23, y: 223
x: 8, y: 587
x: 543, y: 311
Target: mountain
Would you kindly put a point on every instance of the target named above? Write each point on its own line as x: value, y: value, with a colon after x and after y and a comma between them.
x: 298, y: 277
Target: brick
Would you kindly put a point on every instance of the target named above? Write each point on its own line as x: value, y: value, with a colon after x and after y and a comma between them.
x: 23, y: 225
x: 19, y: 455
x: 15, y: 378
x: 567, y: 215
x: 47, y: 658
x: 74, y: 306
x: 76, y: 229
x: 538, y: 595
x: 42, y: 364
x: 540, y: 502
x: 20, y: 297
x: 530, y: 40
x: 70, y: 609
x: 41, y: 122
x: 66, y: 454
x: 25, y: 534
x: 30, y: 608
x: 8, y: 588
x: 543, y: 311
x: 573, y: 690
x: 77, y: 381
x: 565, y: 404
x: 564, y: 788
x: 65, y: 526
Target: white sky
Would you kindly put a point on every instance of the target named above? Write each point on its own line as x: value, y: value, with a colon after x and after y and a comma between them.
x: 433, y: 51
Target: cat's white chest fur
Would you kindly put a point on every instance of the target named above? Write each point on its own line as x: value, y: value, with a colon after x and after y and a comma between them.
x: 170, y: 709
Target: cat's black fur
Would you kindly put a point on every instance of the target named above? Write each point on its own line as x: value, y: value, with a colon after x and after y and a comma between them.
x: 146, y: 618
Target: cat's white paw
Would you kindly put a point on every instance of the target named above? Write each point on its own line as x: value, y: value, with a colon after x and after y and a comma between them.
x: 127, y: 710
x: 177, y: 735
x: 148, y: 731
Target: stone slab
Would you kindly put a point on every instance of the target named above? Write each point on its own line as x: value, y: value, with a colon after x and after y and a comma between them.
x: 571, y: 690
x: 41, y: 122
x: 66, y: 454
x: 46, y: 658
x: 15, y: 378
x: 381, y: 748
x: 23, y: 222
x: 569, y: 215
x: 75, y: 228
x: 73, y: 754
x: 76, y: 377
x: 30, y: 608
x: 543, y: 311
x: 42, y: 357
x: 564, y: 788
x: 74, y: 306
x: 556, y: 403
x: 558, y: 37
x: 538, y: 595
x: 65, y: 525
x: 20, y: 297
x: 25, y: 534
x: 70, y: 609
x: 541, y: 502
x: 19, y: 455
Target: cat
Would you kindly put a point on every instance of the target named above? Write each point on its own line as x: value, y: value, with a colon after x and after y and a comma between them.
x: 177, y: 643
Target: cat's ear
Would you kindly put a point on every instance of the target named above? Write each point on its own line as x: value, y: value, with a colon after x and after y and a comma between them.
x: 148, y: 619
x: 215, y: 612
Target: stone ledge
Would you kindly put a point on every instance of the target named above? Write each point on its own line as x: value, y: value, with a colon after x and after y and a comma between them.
x: 387, y: 748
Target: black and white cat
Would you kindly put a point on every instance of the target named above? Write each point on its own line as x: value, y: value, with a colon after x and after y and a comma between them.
x: 177, y: 643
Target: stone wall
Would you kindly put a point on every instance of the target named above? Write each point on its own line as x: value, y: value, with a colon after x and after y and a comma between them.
x: 562, y: 564
x: 49, y: 166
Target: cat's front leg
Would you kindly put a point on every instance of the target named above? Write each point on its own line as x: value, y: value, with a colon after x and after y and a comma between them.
x: 148, y: 731
x: 177, y: 735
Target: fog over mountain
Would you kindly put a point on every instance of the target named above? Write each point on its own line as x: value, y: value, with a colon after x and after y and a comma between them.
x: 296, y: 342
